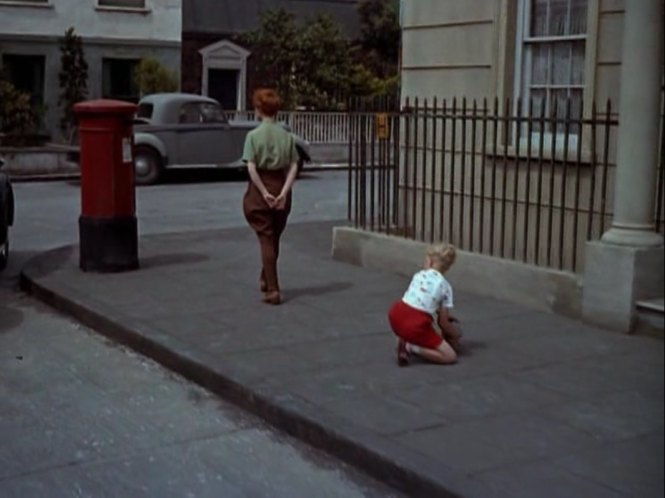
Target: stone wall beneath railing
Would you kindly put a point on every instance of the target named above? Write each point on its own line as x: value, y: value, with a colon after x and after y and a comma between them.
x: 50, y: 161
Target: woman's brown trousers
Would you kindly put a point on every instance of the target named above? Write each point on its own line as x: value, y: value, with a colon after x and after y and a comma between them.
x: 267, y: 222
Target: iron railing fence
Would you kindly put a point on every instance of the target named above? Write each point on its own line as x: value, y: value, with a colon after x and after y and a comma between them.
x: 316, y: 127
x: 660, y: 182
x: 488, y: 177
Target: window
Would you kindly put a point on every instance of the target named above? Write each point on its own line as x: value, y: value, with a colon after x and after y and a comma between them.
x: 26, y: 73
x: 551, y: 51
x: 118, y: 79
x: 200, y: 112
x: 127, y: 4
x: 145, y: 111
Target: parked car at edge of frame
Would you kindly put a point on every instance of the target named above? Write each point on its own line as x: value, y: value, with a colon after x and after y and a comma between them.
x: 180, y: 130
x: 6, y: 215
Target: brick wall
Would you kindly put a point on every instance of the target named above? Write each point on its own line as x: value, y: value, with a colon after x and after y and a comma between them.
x: 191, y: 65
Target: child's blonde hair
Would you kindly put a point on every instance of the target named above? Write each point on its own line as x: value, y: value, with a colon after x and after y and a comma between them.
x: 442, y: 256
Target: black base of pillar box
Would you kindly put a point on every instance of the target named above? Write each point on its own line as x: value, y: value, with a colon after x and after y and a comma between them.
x: 108, y: 244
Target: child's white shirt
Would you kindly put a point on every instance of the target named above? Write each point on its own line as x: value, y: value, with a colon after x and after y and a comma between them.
x: 428, y: 291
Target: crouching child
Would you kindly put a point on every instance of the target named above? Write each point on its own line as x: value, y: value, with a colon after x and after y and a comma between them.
x: 429, y: 298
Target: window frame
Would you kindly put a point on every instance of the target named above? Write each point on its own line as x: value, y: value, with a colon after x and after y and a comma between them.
x: 522, y: 68
x: 36, y: 98
x: 122, y: 8
x: 39, y: 4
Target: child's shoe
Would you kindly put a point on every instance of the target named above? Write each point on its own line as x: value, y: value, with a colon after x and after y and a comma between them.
x: 402, y: 353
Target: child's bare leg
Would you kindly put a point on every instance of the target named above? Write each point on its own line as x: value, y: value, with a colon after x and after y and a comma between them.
x: 444, y: 354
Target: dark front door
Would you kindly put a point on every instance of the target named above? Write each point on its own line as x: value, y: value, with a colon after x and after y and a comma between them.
x: 223, y: 87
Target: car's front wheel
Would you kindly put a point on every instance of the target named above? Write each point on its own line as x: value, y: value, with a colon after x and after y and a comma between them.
x: 147, y: 165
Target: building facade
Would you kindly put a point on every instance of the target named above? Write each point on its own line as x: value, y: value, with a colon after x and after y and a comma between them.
x: 513, y: 48
x: 116, y: 34
x: 215, y: 66
x: 530, y: 135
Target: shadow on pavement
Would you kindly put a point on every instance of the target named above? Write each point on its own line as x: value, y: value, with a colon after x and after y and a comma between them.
x: 468, y: 346
x: 320, y: 290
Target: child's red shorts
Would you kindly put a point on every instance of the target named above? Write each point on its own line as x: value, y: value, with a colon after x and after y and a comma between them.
x: 413, y: 325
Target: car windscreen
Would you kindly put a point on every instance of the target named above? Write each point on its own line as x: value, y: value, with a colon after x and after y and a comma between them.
x: 145, y: 111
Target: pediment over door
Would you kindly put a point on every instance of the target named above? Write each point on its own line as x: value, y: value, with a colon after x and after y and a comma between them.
x: 224, y: 50
x: 225, y: 57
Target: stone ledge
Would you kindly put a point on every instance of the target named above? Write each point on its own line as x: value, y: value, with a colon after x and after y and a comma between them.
x: 39, y: 162
x: 528, y: 285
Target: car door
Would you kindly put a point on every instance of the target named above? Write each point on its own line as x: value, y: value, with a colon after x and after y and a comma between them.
x: 203, y: 135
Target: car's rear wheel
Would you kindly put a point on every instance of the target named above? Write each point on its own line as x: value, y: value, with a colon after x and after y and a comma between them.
x: 147, y: 165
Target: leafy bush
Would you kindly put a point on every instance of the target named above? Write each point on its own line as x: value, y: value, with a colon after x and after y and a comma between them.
x: 312, y: 64
x: 17, y: 116
x: 150, y: 76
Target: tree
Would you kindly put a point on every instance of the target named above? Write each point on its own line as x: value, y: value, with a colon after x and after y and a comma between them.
x: 325, y: 69
x: 276, y: 53
x: 313, y: 64
x: 152, y: 77
x: 73, y: 77
x: 307, y: 63
x: 380, y: 36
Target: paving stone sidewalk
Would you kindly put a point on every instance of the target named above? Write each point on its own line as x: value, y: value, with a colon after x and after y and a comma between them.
x: 538, y: 406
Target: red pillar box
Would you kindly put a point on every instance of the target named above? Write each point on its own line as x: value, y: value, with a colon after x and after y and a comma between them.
x: 108, y: 233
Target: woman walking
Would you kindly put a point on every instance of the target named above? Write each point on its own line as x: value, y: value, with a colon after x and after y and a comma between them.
x: 272, y: 162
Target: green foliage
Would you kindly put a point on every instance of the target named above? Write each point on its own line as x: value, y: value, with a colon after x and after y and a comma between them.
x: 364, y: 83
x: 307, y: 63
x: 276, y: 54
x: 17, y: 116
x: 73, y: 77
x: 152, y: 77
x: 312, y: 64
x: 380, y: 36
x: 326, y: 67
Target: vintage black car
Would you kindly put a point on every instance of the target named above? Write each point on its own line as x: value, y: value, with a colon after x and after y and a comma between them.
x: 6, y: 215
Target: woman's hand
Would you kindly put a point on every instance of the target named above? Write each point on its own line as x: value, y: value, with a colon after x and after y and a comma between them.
x: 270, y: 199
x: 280, y: 202
x: 256, y: 180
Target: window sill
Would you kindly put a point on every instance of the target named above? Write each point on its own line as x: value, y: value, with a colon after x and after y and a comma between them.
x: 512, y: 152
x: 31, y: 5
x: 131, y: 10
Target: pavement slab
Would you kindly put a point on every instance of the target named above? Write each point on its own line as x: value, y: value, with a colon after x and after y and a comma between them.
x: 532, y: 403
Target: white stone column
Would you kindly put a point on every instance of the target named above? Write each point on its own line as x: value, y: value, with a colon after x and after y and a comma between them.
x: 626, y: 265
x: 639, y: 116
